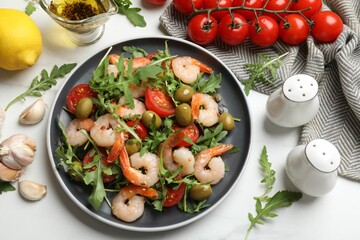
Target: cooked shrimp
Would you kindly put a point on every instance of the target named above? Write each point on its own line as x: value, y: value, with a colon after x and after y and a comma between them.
x: 103, y: 132
x: 208, y: 167
x: 167, y: 150
x: 137, y: 91
x: 77, y: 131
x: 183, y: 156
x: 116, y: 147
x: 140, y: 170
x: 187, y: 69
x: 207, y: 116
x: 112, y: 69
x: 125, y: 111
x: 127, y: 205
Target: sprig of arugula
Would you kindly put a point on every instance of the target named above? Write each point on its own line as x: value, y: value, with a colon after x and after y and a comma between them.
x: 45, y: 82
x: 6, y: 187
x: 132, y: 13
x: 260, y: 72
x: 266, y: 205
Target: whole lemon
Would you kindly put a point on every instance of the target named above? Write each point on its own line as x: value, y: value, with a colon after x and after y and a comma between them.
x: 20, y: 40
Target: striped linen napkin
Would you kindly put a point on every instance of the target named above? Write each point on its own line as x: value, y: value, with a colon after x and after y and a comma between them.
x: 336, y: 66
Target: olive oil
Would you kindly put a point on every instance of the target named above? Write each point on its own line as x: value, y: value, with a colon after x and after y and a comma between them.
x: 76, y: 9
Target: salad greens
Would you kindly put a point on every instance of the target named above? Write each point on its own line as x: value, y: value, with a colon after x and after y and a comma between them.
x: 266, y: 205
x: 157, y: 74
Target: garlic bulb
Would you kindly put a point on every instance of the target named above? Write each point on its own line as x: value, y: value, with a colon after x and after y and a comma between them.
x: 31, y: 190
x: 8, y: 174
x: 33, y: 113
x: 17, y: 151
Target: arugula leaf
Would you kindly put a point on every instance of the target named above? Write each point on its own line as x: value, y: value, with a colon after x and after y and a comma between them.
x: 259, y: 71
x: 209, y: 85
x: 45, y: 82
x: 6, y: 187
x: 30, y: 8
x: 278, y: 200
x: 132, y: 14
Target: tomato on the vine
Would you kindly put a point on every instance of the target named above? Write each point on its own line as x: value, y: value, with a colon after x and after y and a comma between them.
x: 276, y: 5
x: 185, y: 7
x: 208, y: 4
x: 157, y: 2
x: 77, y: 93
x: 202, y: 29
x: 247, y: 14
x: 294, y: 30
x: 263, y: 31
x: 159, y: 102
x: 327, y: 26
x: 313, y: 5
x: 233, y: 29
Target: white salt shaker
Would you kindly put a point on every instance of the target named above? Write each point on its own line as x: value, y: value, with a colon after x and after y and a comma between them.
x: 312, y: 168
x: 295, y: 103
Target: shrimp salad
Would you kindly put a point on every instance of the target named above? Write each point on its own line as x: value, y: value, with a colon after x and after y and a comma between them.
x: 146, y: 130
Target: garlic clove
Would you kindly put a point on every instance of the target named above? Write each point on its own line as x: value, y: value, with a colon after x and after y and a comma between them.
x: 8, y: 174
x: 31, y: 190
x: 33, y: 113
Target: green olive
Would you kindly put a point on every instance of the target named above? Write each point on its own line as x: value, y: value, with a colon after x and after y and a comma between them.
x: 183, y: 114
x: 200, y: 192
x: 147, y: 119
x: 227, y: 120
x: 184, y: 94
x: 132, y: 146
x: 83, y: 108
x: 75, y: 171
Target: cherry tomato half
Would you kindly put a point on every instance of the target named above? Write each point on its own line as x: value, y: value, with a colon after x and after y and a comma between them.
x: 208, y: 4
x: 202, y: 29
x: 140, y: 128
x: 78, y: 92
x: 88, y: 159
x: 185, y: 7
x: 191, y: 132
x: 327, y: 26
x: 173, y: 196
x: 247, y: 14
x: 157, y: 2
x: 276, y: 5
x: 295, y: 30
x: 263, y: 31
x: 313, y: 5
x: 233, y: 29
x: 159, y: 102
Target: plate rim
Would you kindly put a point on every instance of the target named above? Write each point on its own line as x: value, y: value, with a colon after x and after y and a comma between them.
x: 133, y: 228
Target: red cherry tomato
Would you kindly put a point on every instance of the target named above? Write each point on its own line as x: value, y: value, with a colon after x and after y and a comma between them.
x: 157, y: 2
x: 263, y: 31
x: 327, y: 26
x: 78, y: 92
x: 208, y: 4
x: 247, y: 14
x: 202, y: 29
x: 314, y: 5
x: 233, y: 30
x: 276, y: 5
x: 185, y: 7
x: 295, y: 30
x: 173, y: 196
x: 140, y: 128
x: 159, y: 102
x: 191, y: 132
x: 88, y: 159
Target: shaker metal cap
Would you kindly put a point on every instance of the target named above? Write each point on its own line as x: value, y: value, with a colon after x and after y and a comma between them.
x: 300, y: 88
x: 323, y: 155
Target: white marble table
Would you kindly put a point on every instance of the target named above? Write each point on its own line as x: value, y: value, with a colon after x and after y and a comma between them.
x: 332, y: 217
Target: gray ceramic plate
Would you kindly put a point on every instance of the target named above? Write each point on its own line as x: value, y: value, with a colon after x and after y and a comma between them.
x: 170, y: 218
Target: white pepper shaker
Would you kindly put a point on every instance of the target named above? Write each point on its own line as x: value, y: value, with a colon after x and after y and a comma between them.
x: 295, y: 103
x: 312, y: 168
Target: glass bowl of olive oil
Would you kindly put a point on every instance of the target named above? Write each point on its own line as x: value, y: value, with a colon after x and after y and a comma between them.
x: 84, y: 20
